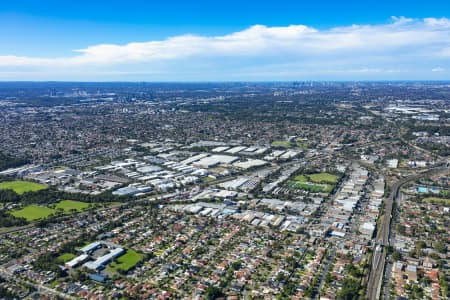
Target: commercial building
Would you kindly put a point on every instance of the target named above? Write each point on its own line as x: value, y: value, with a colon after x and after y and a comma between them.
x: 76, y: 261
x: 91, y: 247
x: 101, y: 261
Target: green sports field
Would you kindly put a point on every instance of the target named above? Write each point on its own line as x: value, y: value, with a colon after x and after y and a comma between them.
x: 33, y: 212
x: 68, y: 205
x: 126, y: 261
x: 323, y: 178
x: 301, y: 178
x: 65, y: 257
x: 21, y: 187
x: 307, y: 187
x: 315, y: 183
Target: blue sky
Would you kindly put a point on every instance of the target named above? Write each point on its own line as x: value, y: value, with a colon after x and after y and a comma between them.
x: 224, y: 40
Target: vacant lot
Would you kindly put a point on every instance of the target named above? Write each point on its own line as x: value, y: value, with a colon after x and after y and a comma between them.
x: 69, y: 205
x: 33, y: 212
x: 286, y: 144
x: 21, y: 187
x: 126, y: 261
x: 207, y: 179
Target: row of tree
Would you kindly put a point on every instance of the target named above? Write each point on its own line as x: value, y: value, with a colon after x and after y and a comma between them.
x: 53, y: 195
x: 48, y: 196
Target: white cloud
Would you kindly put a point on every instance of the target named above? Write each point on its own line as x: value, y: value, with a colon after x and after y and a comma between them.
x: 438, y: 69
x: 373, y: 49
x: 442, y: 22
x: 401, y: 20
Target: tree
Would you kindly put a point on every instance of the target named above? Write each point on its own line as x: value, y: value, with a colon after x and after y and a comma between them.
x: 401, y: 229
x: 8, y: 161
x: 352, y: 270
x: 236, y: 265
x: 349, y: 290
x: 440, y: 247
x: 396, y: 255
x: 213, y: 292
x: 328, y: 278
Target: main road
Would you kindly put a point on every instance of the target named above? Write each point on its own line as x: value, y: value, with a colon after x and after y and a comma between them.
x: 383, y: 235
